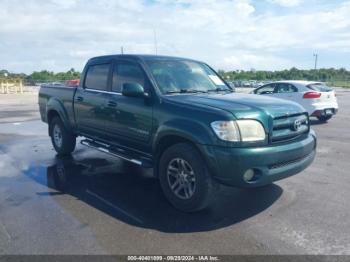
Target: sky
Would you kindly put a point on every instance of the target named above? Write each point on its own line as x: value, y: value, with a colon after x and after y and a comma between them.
x: 57, y: 35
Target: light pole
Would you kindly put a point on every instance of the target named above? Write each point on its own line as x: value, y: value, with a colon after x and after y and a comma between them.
x: 316, y: 56
x: 155, y: 41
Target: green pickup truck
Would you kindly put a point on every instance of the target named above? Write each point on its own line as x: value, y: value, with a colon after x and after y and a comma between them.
x: 179, y: 117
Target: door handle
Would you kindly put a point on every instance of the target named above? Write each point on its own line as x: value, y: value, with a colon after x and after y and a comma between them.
x: 80, y: 98
x: 112, y: 104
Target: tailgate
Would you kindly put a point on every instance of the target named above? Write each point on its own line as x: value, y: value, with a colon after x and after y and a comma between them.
x: 327, y: 97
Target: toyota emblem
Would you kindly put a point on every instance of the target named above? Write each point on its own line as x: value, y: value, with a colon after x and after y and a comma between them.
x: 297, y: 124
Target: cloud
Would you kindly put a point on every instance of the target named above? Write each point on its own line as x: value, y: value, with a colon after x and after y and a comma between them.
x: 58, y: 35
x: 286, y: 3
x: 251, y: 60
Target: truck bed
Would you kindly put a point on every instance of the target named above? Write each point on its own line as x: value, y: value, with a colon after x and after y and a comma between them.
x: 51, y: 94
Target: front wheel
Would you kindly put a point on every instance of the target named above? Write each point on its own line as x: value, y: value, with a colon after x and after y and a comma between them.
x: 63, y: 141
x: 185, y: 179
x: 324, y: 118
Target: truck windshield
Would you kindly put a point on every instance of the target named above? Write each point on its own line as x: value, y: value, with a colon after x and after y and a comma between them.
x: 183, y: 76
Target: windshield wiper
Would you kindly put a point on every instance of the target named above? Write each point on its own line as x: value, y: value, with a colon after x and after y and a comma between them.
x: 193, y: 91
x: 183, y: 91
x: 220, y: 89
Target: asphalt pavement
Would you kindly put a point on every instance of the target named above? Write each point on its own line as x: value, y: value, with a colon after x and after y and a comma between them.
x: 91, y: 203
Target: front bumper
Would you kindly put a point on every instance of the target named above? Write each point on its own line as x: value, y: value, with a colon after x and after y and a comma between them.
x: 270, y: 163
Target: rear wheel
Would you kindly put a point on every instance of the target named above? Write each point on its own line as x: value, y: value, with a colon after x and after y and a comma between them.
x: 185, y: 179
x: 62, y: 140
x: 324, y: 118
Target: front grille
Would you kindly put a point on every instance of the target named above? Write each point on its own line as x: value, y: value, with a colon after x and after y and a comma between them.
x: 289, y: 127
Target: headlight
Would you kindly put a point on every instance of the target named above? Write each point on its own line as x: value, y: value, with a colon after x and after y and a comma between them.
x: 226, y: 130
x: 239, y: 130
x: 251, y: 130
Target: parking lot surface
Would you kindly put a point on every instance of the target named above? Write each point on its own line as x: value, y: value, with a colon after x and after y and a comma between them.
x: 91, y: 203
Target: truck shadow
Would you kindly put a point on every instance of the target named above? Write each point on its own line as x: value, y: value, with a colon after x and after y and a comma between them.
x: 127, y: 193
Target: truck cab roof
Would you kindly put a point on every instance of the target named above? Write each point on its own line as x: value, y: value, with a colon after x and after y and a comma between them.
x: 138, y: 57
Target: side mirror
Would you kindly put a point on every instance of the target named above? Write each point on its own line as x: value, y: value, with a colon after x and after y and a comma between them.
x: 133, y: 90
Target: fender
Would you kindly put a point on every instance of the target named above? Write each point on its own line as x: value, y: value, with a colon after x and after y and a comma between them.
x: 57, y: 105
x: 191, y: 130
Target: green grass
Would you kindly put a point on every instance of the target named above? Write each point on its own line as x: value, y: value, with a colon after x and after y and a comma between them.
x: 345, y: 84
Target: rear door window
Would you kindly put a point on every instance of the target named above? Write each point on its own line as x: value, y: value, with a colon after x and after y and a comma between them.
x: 285, y: 88
x: 97, y: 77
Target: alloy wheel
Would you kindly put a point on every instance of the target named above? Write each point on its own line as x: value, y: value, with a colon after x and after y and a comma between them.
x: 181, y: 178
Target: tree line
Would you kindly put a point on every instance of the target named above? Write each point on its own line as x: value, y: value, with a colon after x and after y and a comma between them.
x: 323, y: 74
x: 43, y: 75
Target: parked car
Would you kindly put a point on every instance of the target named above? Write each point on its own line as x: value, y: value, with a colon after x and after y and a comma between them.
x: 232, y: 85
x: 246, y: 84
x: 72, y: 83
x: 258, y: 84
x: 180, y: 118
x: 237, y: 83
x: 317, y: 98
x: 57, y: 83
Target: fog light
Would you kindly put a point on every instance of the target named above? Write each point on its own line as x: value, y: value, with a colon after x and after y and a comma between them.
x: 248, y: 175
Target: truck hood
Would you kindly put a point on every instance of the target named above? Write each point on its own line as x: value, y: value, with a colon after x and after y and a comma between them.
x: 242, y: 105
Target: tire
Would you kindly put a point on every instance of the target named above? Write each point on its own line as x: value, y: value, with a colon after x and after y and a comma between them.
x: 63, y: 141
x: 182, y: 166
x: 324, y: 118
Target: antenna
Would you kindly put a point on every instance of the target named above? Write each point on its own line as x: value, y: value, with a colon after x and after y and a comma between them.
x: 155, y: 41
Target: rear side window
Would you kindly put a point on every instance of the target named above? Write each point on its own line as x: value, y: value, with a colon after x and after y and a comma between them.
x: 97, y: 77
x: 319, y: 87
x: 285, y: 88
x: 127, y: 72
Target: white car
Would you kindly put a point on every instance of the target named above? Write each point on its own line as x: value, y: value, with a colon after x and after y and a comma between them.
x: 318, y: 99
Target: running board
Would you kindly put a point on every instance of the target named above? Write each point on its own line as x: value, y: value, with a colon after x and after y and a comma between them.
x: 117, y: 152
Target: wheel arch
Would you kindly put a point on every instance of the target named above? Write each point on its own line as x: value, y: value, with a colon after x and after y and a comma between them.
x: 55, y: 108
x: 168, y: 140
